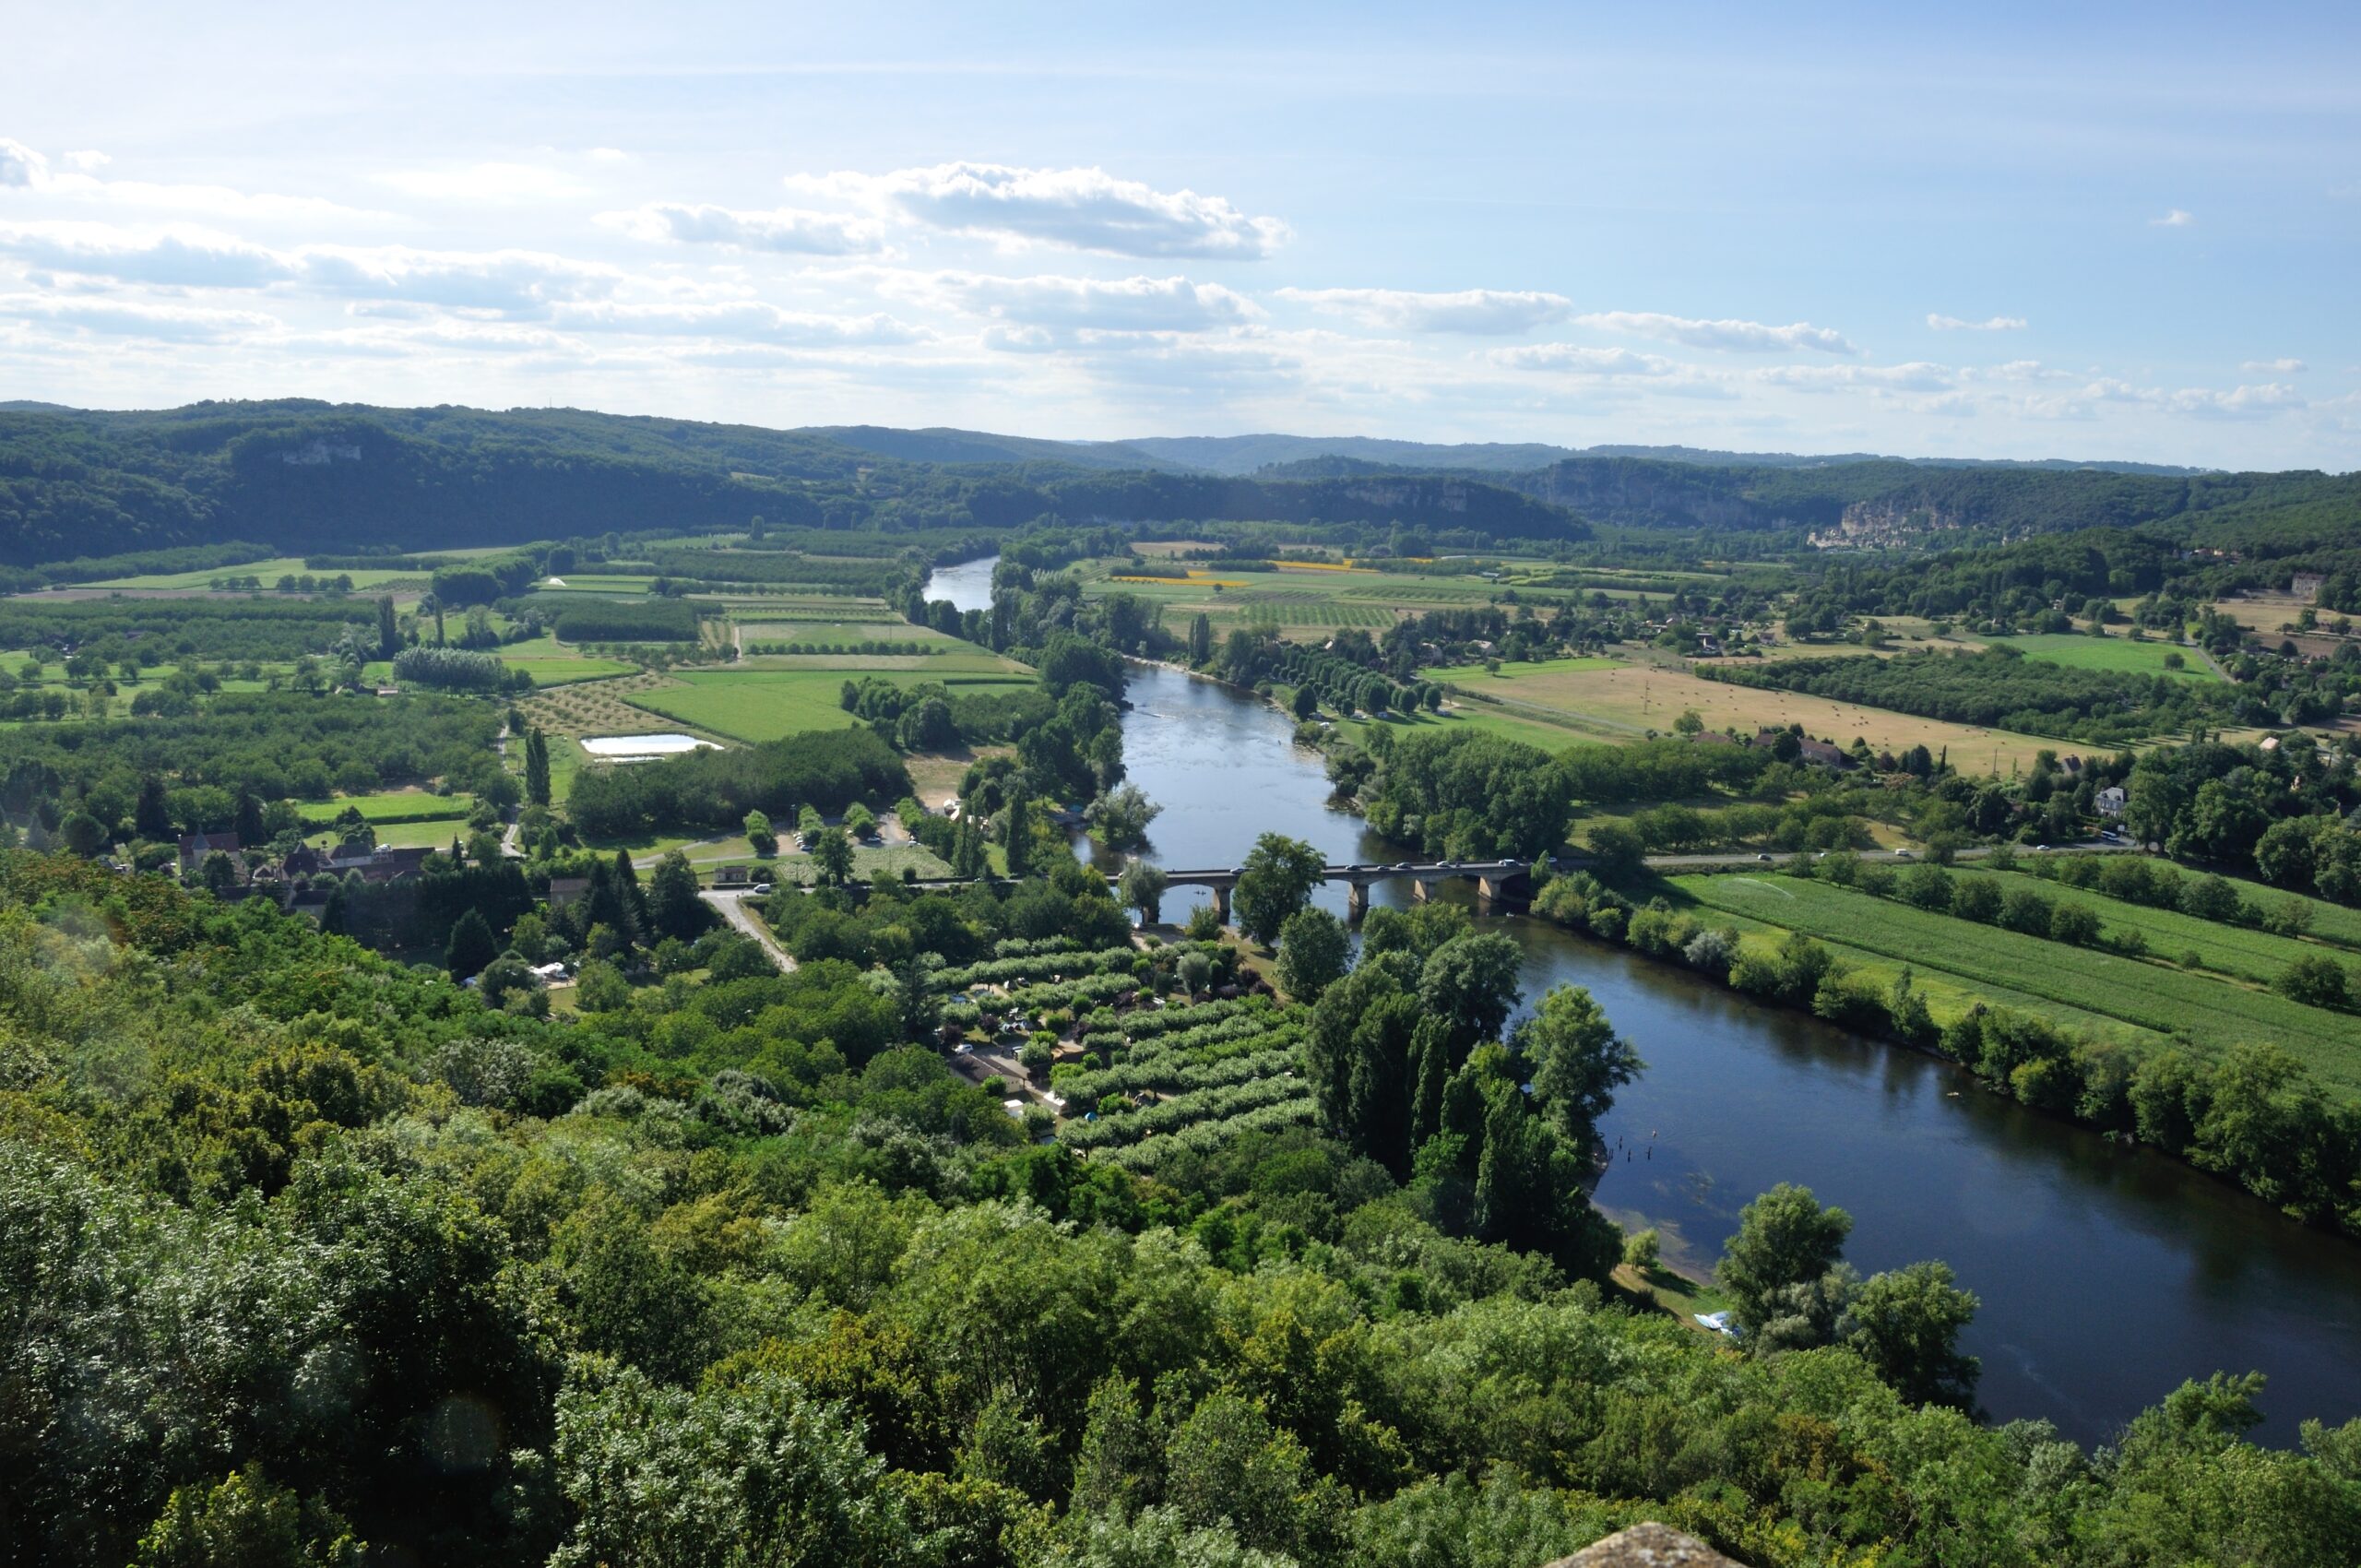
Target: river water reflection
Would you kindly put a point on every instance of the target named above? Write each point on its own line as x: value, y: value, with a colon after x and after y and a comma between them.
x: 2107, y: 1275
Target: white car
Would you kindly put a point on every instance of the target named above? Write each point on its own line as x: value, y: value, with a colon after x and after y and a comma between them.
x: 762, y: 887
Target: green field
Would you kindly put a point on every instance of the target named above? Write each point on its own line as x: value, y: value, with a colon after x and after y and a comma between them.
x: 2207, y: 1010
x: 2248, y: 954
x: 840, y: 631
x: 763, y: 704
x: 553, y: 663
x: 2108, y: 653
x: 1477, y: 676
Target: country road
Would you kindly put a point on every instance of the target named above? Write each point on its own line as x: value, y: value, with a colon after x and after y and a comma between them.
x: 1975, y: 853
x: 732, y: 903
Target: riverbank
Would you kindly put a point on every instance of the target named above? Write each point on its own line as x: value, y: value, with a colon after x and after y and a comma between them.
x: 2052, y: 1225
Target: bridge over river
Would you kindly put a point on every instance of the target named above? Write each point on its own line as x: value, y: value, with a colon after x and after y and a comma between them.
x: 1496, y: 880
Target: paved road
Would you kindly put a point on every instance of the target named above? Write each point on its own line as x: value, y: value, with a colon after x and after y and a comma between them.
x: 732, y: 904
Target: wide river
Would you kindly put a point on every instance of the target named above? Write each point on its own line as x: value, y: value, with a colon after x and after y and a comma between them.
x: 2107, y: 1275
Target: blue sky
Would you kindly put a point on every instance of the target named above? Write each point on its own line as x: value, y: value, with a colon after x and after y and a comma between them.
x: 2122, y: 232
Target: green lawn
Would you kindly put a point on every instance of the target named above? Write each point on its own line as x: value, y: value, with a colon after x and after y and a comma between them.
x: 2117, y: 653
x: 389, y: 806
x: 2207, y: 1010
x: 763, y: 704
x: 419, y: 835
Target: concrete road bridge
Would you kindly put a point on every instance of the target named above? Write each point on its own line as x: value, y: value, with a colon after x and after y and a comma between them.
x: 1496, y: 880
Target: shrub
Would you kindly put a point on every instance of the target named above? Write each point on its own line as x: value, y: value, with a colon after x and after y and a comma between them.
x: 2315, y: 980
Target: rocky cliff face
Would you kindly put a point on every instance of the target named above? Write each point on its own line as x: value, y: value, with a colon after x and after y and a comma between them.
x: 1647, y: 1545
x: 1871, y: 525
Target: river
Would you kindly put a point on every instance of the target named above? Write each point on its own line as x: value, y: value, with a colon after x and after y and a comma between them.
x: 2107, y: 1275
x: 968, y: 586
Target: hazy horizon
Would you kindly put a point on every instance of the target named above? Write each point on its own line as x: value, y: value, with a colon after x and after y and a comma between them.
x: 2113, y: 237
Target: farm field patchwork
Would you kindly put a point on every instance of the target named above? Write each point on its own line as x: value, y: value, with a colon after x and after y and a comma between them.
x: 2210, y: 1013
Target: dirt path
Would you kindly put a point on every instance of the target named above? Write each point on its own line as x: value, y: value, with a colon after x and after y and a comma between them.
x: 732, y: 904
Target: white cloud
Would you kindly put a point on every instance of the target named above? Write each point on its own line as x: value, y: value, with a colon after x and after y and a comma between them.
x: 744, y: 320
x: 2239, y: 402
x: 20, y: 166
x: 510, y: 282
x: 176, y: 258
x: 1568, y: 359
x: 1990, y: 324
x: 514, y: 283
x: 1915, y: 376
x: 88, y: 161
x: 1743, y: 337
x: 1085, y: 209
x: 2176, y: 218
x: 1484, y: 312
x: 1072, y: 305
x: 485, y: 181
x: 785, y: 230
x: 2276, y: 367
x: 123, y: 318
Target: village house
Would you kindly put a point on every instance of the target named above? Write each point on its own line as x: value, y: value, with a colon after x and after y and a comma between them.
x: 194, y: 846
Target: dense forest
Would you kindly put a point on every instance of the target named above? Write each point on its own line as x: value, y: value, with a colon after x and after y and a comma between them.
x: 1912, y: 502
x: 303, y: 1250
x: 1998, y: 688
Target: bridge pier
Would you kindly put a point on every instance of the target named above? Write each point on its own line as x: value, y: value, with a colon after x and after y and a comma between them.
x: 1422, y: 889
x: 1356, y: 901
x: 1501, y: 888
x: 1221, y: 900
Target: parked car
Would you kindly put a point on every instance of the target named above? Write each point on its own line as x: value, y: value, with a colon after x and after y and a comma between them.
x: 762, y: 887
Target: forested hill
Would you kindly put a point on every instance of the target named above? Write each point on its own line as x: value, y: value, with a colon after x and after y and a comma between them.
x: 1887, y: 502
x: 317, y: 477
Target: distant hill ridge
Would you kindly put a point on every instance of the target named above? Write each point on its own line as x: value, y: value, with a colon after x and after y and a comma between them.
x: 1250, y: 454
x: 307, y: 475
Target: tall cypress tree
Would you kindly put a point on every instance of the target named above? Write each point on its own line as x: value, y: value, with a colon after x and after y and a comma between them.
x: 1432, y: 1052
x: 627, y: 885
x: 389, y: 640
x: 152, y: 818
x: 1019, y: 832
x: 536, y: 768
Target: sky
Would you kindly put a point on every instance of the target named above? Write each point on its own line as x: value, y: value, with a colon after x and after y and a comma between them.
x: 2127, y: 233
